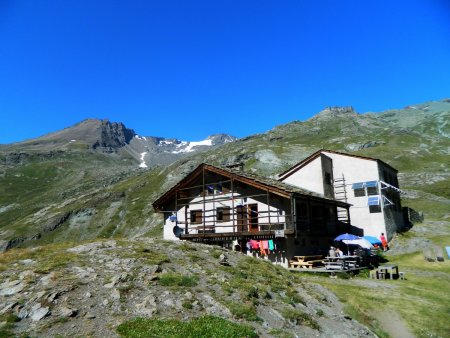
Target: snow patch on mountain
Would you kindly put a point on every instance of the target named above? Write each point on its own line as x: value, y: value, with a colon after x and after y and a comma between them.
x: 187, y: 147
x: 143, y: 164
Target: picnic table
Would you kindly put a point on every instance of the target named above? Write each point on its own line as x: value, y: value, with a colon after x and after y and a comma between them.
x: 342, y: 263
x: 391, y: 269
x: 306, y: 262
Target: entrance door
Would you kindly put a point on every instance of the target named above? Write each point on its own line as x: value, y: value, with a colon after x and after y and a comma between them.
x: 241, y: 218
x: 253, y: 216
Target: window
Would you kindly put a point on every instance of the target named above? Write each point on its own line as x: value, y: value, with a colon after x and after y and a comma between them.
x: 372, y: 188
x: 196, y: 216
x: 374, y: 203
x: 223, y: 214
x: 374, y: 208
x: 358, y: 189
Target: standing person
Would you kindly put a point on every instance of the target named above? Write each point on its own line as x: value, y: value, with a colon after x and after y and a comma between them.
x: 331, y: 253
x: 384, y: 242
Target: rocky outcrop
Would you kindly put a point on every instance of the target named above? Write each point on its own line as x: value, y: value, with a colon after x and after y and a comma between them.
x: 112, y: 136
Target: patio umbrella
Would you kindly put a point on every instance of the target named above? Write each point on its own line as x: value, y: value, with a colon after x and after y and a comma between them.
x: 346, y: 237
x: 363, y: 243
x: 372, y: 240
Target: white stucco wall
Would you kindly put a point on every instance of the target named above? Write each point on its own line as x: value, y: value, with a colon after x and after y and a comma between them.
x: 354, y: 170
x: 359, y: 170
x: 276, y: 216
x: 309, y: 177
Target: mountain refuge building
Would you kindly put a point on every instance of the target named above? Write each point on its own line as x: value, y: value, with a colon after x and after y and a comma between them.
x: 299, y: 213
x: 368, y: 184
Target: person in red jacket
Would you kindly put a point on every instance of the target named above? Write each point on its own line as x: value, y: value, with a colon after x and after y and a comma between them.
x: 384, y: 242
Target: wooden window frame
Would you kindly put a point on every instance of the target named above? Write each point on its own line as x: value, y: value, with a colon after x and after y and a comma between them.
x: 194, y: 214
x: 223, y: 214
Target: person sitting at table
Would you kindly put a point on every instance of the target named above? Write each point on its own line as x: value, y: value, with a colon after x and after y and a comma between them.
x: 339, y: 253
x: 331, y: 253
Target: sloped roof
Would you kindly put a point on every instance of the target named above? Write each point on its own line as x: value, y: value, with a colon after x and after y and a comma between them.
x: 313, y: 156
x: 272, y: 185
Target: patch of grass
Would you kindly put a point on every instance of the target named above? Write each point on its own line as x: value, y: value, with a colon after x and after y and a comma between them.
x: 300, y: 318
x: 320, y: 313
x: 424, y: 291
x: 186, y: 247
x: 195, y: 257
x: 279, y: 333
x: 245, y: 311
x: 208, y: 326
x: 150, y: 256
x: 48, y: 258
x: 9, y: 320
x: 292, y: 297
x: 216, y: 254
x: 174, y: 279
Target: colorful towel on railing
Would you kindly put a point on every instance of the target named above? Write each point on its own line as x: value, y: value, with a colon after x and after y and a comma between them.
x: 271, y: 246
x: 254, y: 244
x: 265, y: 245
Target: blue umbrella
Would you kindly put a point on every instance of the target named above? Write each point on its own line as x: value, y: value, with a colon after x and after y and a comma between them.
x: 372, y: 240
x: 346, y: 236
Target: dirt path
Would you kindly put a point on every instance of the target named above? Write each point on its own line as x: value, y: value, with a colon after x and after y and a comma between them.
x: 392, y: 323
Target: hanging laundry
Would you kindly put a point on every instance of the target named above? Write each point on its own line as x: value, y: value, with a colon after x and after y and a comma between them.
x: 265, y: 245
x: 254, y: 244
x: 249, y: 245
x: 261, y: 248
x: 271, y: 245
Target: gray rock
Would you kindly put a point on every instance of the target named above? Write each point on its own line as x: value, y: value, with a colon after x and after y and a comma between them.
x: 8, y: 308
x: 11, y: 288
x: 147, y: 307
x: 38, y: 312
x: 89, y: 315
x: 115, y: 294
x: 67, y: 312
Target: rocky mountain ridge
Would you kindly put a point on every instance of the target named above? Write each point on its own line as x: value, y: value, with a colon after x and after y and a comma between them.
x: 111, y: 138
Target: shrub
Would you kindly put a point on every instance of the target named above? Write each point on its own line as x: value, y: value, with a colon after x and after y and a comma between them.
x: 174, y: 279
x: 244, y: 311
x: 300, y: 318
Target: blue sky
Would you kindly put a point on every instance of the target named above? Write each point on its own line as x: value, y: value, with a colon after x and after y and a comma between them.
x: 188, y: 69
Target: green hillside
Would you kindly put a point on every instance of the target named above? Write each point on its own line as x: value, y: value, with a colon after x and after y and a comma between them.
x: 78, y: 194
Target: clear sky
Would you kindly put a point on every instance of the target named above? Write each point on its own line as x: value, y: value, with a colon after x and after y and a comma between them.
x: 188, y: 69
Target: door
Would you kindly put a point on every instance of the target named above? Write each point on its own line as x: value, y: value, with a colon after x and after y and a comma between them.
x: 241, y: 218
x: 253, y: 216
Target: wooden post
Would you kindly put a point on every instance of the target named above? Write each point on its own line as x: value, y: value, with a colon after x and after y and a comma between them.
x: 204, y: 201
x: 232, y: 204
x: 268, y: 208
